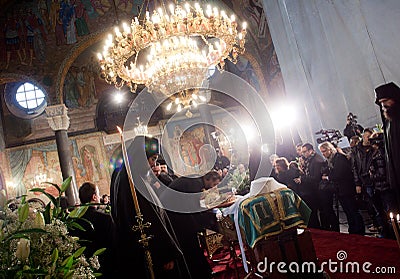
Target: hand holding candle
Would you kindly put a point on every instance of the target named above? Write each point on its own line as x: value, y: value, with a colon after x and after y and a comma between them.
x: 394, y: 225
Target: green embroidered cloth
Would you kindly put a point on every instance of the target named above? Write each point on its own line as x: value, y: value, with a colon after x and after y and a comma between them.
x: 269, y: 214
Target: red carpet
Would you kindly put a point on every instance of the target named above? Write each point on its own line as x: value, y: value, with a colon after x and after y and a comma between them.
x: 383, y: 254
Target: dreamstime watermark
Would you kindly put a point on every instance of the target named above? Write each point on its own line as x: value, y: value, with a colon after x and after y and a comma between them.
x: 331, y: 266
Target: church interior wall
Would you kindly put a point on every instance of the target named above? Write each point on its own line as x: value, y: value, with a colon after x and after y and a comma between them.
x: 63, y: 62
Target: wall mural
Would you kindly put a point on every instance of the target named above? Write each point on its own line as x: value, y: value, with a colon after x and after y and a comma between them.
x: 245, y: 70
x: 39, y: 163
x: 188, y: 147
x: 82, y: 85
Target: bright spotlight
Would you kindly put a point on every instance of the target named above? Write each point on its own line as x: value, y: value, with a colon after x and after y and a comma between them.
x: 283, y: 117
x: 118, y: 97
x: 249, y: 131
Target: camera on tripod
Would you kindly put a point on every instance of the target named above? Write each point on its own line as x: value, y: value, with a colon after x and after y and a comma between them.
x: 378, y: 140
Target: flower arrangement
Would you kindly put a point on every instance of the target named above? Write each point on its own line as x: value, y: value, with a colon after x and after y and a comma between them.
x: 35, y: 243
x: 240, y: 181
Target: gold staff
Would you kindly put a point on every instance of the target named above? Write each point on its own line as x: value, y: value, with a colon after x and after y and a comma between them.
x: 144, y: 239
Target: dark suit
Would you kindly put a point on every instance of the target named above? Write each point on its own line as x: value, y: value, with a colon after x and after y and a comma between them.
x: 187, y: 225
x: 98, y: 236
x: 129, y: 253
x: 341, y: 174
x: 308, y: 189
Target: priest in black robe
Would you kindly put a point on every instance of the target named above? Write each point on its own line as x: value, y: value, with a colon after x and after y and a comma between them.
x: 388, y: 99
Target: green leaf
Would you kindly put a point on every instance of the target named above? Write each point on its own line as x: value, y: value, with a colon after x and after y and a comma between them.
x: 56, y: 211
x: 66, y: 183
x: 79, y: 252
x: 75, y: 225
x: 54, y: 255
x: 65, y: 262
x: 43, y: 191
x: 23, y: 212
x: 47, y: 215
x: 23, y: 234
x: 99, y: 252
x: 97, y: 274
x: 16, y: 236
x: 78, y: 212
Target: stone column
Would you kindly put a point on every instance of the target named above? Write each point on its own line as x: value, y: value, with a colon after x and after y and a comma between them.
x: 59, y: 122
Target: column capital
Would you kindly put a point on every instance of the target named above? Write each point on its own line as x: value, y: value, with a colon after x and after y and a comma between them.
x: 57, y: 117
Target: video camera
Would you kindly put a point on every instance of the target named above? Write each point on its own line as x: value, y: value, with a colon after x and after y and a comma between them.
x: 352, y: 119
x: 331, y: 135
x: 379, y: 140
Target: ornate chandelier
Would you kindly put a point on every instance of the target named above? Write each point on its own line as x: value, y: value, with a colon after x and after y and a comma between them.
x: 171, y: 51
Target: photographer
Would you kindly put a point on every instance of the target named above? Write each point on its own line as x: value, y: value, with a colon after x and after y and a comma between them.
x: 361, y: 163
x: 383, y: 197
x: 352, y: 128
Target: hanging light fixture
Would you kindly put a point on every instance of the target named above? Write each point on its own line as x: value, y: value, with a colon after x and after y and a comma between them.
x: 171, y: 51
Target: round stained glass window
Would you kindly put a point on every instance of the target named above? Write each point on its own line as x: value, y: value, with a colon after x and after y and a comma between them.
x: 29, y: 96
x: 25, y: 99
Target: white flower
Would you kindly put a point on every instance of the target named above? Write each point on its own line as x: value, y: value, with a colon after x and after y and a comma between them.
x: 39, y: 221
x: 23, y: 249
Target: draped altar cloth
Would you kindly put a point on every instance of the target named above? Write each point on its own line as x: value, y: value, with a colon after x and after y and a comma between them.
x: 261, y: 216
x: 289, y: 211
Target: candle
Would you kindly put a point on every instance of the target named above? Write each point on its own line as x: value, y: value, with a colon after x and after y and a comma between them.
x: 128, y: 170
x: 396, y: 232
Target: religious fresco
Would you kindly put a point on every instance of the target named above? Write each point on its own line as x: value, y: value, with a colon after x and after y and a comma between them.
x: 83, y: 84
x: 185, y: 143
x: 188, y: 149
x: 25, y: 168
x: 244, y: 69
x: 93, y: 161
x: 114, y: 154
x: 260, y: 45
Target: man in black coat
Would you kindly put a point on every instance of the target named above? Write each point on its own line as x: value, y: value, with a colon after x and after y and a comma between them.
x: 388, y: 99
x: 309, y: 181
x: 101, y: 234
x: 340, y: 173
x: 130, y: 257
x: 193, y: 220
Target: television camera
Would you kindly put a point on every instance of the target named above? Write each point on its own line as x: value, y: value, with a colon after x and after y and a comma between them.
x: 352, y: 119
x: 333, y: 136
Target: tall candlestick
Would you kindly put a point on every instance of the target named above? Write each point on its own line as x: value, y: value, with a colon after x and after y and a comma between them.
x: 144, y: 239
x: 396, y: 232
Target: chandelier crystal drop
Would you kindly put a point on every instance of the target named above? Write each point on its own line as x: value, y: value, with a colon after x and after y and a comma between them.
x: 171, y: 50
x: 187, y: 98
x: 141, y: 128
